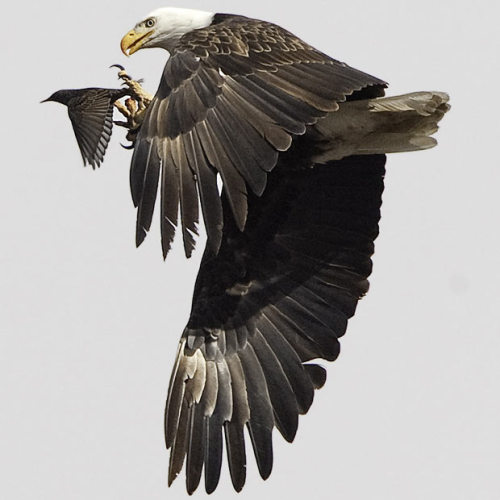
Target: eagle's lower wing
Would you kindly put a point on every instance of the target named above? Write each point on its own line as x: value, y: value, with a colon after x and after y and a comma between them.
x: 276, y: 296
x: 231, y: 97
x: 91, y: 115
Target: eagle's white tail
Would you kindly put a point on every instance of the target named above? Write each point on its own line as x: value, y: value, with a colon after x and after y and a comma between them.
x: 381, y: 125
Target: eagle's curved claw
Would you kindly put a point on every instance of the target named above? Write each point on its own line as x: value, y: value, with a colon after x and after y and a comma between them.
x: 130, y: 146
x: 122, y: 74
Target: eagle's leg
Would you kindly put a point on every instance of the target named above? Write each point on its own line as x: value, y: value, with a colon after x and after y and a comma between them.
x: 135, y: 105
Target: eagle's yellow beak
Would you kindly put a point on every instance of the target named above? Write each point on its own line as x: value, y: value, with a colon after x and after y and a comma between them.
x: 133, y: 41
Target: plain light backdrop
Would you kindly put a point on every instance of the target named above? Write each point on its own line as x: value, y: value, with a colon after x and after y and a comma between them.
x: 89, y: 325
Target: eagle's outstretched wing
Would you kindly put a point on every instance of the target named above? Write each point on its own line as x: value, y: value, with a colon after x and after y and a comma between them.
x: 275, y: 296
x: 231, y: 97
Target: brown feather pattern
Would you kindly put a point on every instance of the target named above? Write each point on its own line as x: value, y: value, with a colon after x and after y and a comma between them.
x: 91, y: 114
x: 243, y: 88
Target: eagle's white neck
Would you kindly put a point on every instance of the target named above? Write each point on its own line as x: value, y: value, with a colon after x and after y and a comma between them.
x: 172, y: 23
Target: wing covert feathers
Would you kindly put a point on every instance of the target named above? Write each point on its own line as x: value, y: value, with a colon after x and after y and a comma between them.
x: 232, y: 96
x: 274, y: 297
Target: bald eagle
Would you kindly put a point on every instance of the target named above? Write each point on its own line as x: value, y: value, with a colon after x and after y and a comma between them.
x: 298, y: 142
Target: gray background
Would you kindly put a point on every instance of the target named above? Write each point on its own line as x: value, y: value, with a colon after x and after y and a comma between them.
x: 89, y: 325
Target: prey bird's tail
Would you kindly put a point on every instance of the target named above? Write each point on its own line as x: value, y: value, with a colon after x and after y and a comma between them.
x: 382, y: 125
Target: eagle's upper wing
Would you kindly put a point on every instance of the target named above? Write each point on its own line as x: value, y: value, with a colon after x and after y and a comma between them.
x: 275, y: 296
x: 230, y: 98
x: 91, y: 115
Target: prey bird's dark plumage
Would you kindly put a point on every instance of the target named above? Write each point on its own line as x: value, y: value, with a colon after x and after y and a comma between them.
x: 284, y: 149
x: 91, y: 113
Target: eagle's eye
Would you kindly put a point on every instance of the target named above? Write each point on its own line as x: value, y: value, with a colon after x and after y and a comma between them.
x: 149, y: 23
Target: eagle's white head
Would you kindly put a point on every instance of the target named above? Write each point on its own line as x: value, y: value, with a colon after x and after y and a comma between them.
x: 163, y: 27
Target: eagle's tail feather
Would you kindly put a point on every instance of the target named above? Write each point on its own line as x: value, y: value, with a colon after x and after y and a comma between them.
x: 382, y: 125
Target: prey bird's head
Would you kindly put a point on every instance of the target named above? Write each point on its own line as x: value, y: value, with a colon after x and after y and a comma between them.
x: 62, y: 96
x: 163, y: 28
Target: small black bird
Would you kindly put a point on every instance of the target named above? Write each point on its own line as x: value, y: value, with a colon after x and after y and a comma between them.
x: 91, y: 113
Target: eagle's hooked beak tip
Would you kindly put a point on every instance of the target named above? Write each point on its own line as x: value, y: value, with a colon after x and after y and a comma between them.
x: 133, y: 41
x: 127, y: 42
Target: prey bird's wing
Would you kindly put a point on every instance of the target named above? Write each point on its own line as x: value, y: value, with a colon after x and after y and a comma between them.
x: 274, y: 297
x: 231, y: 97
x: 91, y: 115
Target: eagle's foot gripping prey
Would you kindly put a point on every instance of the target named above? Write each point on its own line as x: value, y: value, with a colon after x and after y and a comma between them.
x: 134, y: 106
